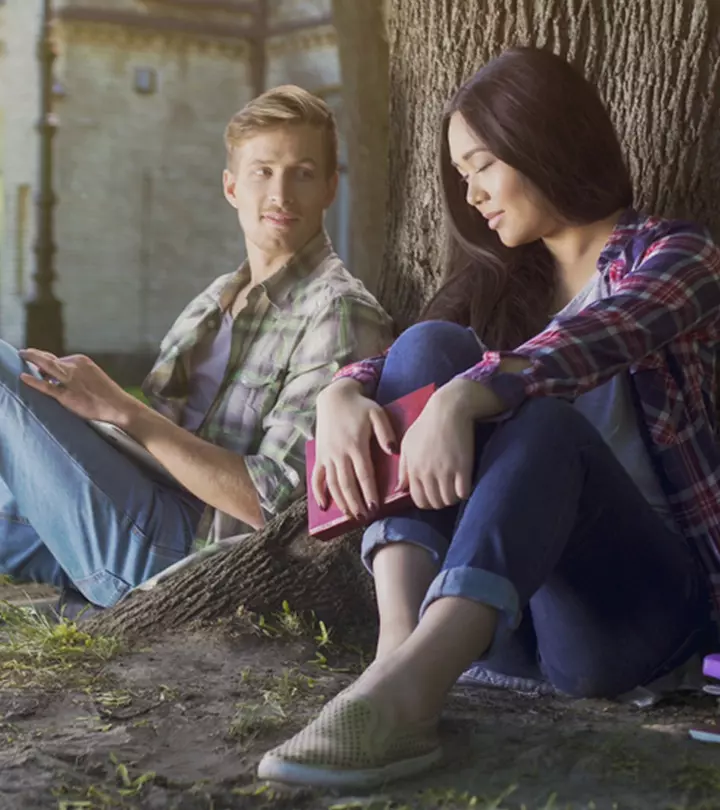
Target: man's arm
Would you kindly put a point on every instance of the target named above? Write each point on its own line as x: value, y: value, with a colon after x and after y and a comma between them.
x: 213, y: 474
x: 255, y: 487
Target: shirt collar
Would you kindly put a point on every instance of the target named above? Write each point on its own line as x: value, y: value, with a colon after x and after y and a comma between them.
x: 624, y: 229
x: 279, y: 285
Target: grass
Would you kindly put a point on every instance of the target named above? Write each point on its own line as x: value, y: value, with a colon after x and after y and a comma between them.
x: 37, y: 651
x: 136, y: 391
x: 105, y: 797
x: 274, y: 697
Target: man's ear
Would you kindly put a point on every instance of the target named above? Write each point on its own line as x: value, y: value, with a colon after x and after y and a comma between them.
x: 229, y: 182
x: 332, y: 189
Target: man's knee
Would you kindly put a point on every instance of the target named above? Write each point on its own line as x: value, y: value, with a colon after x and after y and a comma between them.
x: 10, y: 361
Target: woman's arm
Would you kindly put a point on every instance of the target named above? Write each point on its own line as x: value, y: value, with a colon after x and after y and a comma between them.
x: 673, y: 289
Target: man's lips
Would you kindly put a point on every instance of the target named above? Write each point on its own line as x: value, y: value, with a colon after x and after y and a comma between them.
x: 280, y: 218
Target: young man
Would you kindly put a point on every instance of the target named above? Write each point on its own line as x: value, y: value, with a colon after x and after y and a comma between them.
x: 232, y: 392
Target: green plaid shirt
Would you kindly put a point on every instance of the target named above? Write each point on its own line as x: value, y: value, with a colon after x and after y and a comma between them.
x: 299, y: 327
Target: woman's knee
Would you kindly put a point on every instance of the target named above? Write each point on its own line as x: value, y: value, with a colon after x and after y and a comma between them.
x: 443, y: 347
x: 554, y: 416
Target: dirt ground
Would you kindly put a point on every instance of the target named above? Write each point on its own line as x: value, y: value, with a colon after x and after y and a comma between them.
x: 182, y: 723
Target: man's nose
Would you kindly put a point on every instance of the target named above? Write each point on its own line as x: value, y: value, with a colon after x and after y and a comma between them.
x: 282, y: 187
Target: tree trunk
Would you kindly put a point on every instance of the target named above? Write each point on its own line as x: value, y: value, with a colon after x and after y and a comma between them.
x: 654, y: 61
x: 656, y: 64
x: 276, y: 564
x: 364, y: 58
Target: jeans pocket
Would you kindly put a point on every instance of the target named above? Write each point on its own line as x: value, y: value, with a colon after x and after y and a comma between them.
x: 103, y: 588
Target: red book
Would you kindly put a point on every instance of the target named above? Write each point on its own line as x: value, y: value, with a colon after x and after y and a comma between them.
x: 332, y: 522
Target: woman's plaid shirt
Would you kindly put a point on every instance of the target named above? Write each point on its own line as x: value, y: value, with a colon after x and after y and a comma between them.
x: 298, y: 328
x: 661, y: 323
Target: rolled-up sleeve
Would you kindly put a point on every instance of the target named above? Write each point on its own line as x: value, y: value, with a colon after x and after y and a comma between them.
x: 345, y: 330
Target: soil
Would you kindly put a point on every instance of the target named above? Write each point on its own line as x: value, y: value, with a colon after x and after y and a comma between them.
x: 199, y: 708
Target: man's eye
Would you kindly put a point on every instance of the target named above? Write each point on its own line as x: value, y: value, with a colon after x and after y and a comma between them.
x: 264, y: 171
x: 306, y: 174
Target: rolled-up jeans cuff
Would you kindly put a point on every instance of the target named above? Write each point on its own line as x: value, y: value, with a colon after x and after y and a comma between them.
x: 402, y: 530
x: 481, y: 586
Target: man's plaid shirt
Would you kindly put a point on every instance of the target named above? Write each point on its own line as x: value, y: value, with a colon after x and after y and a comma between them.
x: 298, y: 328
x: 661, y: 323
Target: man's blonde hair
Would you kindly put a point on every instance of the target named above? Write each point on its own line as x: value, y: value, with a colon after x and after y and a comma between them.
x: 286, y: 105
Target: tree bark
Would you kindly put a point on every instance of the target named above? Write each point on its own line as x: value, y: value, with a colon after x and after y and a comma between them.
x: 363, y: 48
x: 656, y: 63
x: 280, y: 562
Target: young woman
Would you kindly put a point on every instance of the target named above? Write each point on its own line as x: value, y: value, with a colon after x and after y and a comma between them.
x: 566, y: 519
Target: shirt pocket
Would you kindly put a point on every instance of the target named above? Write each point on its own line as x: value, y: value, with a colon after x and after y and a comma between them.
x: 258, y: 388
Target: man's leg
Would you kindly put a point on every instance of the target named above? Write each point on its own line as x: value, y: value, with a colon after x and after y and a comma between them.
x: 105, y: 521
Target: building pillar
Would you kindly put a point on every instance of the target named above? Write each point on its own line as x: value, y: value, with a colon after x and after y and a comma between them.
x: 43, y: 311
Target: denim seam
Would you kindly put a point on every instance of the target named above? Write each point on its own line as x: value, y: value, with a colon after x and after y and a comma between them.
x: 21, y: 521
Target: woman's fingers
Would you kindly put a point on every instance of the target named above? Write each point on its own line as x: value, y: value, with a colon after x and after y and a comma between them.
x: 335, y: 490
x: 365, y: 476
x: 348, y: 483
x: 318, y: 486
x: 383, y: 430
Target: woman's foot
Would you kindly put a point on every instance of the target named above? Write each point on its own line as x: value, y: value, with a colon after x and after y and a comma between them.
x: 354, y: 743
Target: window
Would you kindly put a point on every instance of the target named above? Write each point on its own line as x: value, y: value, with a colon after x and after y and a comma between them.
x: 145, y: 81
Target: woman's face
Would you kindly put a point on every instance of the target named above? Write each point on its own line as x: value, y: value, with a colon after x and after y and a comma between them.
x: 512, y: 206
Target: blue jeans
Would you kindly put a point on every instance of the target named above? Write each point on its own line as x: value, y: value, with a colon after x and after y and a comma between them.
x: 74, y: 511
x: 594, y: 592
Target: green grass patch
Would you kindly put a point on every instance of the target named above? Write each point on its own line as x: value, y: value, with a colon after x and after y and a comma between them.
x: 40, y: 651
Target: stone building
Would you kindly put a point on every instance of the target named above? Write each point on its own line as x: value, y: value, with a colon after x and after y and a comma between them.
x: 143, y: 90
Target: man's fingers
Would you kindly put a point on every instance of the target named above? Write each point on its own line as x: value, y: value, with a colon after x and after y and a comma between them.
x: 46, y: 363
x: 43, y: 386
x: 365, y: 476
x: 383, y: 430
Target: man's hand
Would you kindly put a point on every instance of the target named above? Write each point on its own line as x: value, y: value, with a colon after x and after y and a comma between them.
x: 79, y: 385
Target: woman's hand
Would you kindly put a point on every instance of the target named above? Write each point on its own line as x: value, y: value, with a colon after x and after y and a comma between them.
x: 346, y: 422
x: 438, y: 450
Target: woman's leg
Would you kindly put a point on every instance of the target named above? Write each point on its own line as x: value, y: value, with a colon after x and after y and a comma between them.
x: 553, y: 522
x: 556, y: 524
x: 430, y: 352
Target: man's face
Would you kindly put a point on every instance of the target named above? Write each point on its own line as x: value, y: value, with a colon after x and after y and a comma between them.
x: 280, y: 187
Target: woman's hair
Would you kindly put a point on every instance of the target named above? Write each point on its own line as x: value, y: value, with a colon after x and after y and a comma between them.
x: 536, y: 113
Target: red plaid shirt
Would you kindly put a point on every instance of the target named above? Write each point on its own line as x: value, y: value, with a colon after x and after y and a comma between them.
x: 661, y: 323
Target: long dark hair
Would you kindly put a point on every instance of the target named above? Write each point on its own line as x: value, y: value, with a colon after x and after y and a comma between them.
x: 539, y: 115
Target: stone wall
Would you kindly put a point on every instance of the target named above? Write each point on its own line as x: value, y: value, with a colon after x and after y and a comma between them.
x: 142, y: 222
x: 144, y: 96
